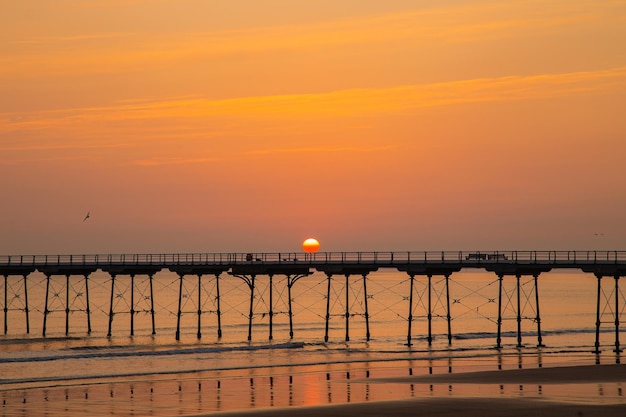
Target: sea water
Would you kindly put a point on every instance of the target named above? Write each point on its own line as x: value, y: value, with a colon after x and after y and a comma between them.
x: 96, y: 373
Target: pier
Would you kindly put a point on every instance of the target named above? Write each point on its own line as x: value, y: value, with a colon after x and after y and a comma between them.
x: 67, y: 279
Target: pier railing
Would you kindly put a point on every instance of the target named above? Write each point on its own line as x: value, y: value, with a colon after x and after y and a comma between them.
x: 382, y: 259
x: 63, y: 271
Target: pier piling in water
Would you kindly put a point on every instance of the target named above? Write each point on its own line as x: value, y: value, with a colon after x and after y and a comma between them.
x: 429, y: 272
x: 519, y: 271
x: 16, y: 294
x: 617, y: 313
x: 603, y: 301
x: 200, y: 270
x: 347, y: 271
x: 62, y: 292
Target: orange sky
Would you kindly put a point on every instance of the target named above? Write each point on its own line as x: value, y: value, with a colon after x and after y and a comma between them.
x: 245, y: 125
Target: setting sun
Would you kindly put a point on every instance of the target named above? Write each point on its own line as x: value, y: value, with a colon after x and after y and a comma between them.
x: 311, y: 245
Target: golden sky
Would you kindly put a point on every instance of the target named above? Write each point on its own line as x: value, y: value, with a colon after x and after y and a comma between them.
x: 250, y: 125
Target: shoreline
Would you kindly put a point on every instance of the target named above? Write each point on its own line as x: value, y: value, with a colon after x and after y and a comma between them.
x: 573, y: 374
x: 442, y: 407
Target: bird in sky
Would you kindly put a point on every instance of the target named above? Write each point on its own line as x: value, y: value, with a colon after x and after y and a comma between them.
x: 87, y: 216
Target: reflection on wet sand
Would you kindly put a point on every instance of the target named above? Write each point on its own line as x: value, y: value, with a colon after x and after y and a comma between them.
x: 510, y: 376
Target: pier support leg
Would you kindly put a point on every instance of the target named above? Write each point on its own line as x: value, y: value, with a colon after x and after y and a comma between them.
x: 327, y: 308
x: 499, y: 336
x: 199, y: 306
x: 430, y: 313
x: 88, y: 309
x: 271, y: 307
x: 251, y: 315
x: 26, y: 309
x: 67, y: 304
x: 219, y: 311
x: 132, y: 304
x: 347, y: 307
x: 410, y: 318
x: 519, y: 314
x: 289, y: 284
x: 111, y: 304
x: 538, y: 318
x: 617, y: 310
x: 180, y: 305
x: 45, y: 310
x: 150, y: 278
x: 448, y: 315
x: 6, y: 308
x: 367, y: 314
x: 597, y: 344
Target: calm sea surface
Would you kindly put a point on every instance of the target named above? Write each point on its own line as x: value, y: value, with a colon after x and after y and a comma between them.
x: 158, y: 375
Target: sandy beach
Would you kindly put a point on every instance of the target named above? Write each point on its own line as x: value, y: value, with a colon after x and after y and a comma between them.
x: 553, y: 375
x: 564, y: 377
x: 444, y: 407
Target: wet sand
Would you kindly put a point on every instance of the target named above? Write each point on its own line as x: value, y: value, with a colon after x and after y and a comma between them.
x: 470, y: 406
x: 553, y: 375
x: 443, y: 407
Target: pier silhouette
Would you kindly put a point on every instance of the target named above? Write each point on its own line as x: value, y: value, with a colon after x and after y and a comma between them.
x: 348, y: 270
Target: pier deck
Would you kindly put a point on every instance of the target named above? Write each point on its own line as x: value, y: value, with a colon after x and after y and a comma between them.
x: 338, y: 268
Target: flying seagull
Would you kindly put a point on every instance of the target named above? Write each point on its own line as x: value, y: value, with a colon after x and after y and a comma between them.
x: 87, y: 216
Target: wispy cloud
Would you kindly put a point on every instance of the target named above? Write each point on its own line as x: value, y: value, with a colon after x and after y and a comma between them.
x: 320, y: 149
x: 47, y: 40
x: 60, y: 146
x: 125, y: 52
x: 11, y: 162
x: 154, y: 162
x: 194, y: 115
